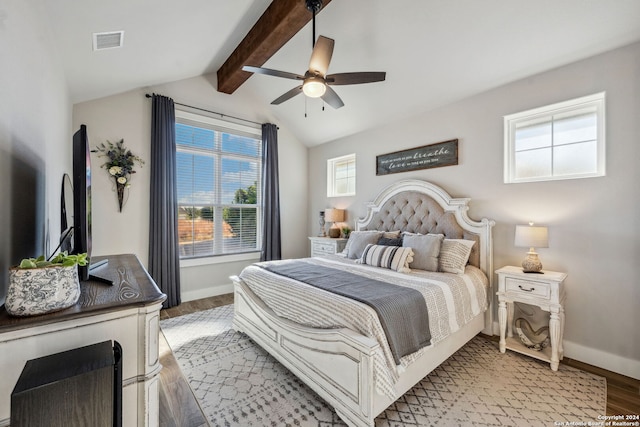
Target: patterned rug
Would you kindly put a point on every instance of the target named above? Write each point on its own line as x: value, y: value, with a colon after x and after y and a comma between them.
x: 237, y: 383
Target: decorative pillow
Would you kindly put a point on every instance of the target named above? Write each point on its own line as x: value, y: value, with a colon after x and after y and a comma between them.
x: 353, y: 233
x: 454, y: 255
x: 386, y: 241
x: 358, y: 240
x: 426, y: 249
x: 393, y: 257
x: 391, y: 234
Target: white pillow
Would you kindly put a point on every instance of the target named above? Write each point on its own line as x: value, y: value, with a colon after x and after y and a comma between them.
x: 454, y: 255
x: 426, y: 249
x: 393, y: 257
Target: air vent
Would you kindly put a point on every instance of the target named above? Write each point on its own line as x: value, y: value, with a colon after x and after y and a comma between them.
x: 108, y: 40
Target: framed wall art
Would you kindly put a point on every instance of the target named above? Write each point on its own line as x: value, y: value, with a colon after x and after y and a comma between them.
x: 425, y: 157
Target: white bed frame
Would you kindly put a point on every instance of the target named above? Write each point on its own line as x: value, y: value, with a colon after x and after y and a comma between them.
x: 338, y: 363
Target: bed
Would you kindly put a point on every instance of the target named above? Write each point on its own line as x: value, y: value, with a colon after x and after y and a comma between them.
x: 348, y: 364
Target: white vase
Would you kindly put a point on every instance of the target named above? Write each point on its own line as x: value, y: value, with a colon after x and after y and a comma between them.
x: 34, y: 291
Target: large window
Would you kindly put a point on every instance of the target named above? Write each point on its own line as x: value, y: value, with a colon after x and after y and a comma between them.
x: 559, y: 141
x: 341, y: 176
x: 218, y: 172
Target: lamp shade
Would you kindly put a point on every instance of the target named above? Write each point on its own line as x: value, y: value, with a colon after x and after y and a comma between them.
x: 528, y: 236
x: 334, y: 215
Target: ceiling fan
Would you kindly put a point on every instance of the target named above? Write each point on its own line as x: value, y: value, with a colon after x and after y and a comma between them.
x: 315, y: 82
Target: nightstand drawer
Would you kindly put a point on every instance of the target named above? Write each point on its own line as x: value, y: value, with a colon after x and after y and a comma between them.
x: 527, y: 287
x: 320, y: 248
x: 326, y: 246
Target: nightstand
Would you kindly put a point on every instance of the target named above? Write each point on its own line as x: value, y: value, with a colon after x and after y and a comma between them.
x: 326, y: 245
x: 544, y: 290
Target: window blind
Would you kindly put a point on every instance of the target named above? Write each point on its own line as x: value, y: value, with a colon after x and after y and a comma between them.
x: 218, y: 179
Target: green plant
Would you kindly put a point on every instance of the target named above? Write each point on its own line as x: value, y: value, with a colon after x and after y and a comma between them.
x: 63, y: 259
x: 346, y: 231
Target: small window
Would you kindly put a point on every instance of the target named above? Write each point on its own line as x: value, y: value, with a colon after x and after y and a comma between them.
x: 559, y: 141
x: 341, y: 176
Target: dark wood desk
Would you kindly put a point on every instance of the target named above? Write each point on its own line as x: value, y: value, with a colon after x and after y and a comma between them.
x: 127, y: 311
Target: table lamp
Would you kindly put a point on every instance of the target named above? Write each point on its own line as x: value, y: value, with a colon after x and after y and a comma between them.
x: 334, y: 216
x: 528, y: 236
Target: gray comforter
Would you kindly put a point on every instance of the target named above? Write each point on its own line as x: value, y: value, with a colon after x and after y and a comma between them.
x: 402, y: 311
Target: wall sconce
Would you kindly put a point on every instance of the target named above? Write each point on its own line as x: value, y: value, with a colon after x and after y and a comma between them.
x: 528, y: 236
x: 334, y: 216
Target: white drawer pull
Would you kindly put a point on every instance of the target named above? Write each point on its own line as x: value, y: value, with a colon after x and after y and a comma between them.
x: 526, y: 290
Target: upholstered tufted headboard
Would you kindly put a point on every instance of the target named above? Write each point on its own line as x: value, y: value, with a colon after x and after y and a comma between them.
x: 418, y: 213
x: 422, y: 207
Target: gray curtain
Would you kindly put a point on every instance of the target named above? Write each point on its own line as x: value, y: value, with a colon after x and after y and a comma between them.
x: 164, y: 261
x: 271, y: 246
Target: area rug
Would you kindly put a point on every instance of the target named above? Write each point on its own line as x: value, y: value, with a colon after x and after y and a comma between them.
x: 237, y: 383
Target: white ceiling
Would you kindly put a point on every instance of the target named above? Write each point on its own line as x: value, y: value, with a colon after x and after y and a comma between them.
x: 434, y: 52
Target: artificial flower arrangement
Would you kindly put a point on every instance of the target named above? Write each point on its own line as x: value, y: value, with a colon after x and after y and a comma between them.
x: 120, y: 165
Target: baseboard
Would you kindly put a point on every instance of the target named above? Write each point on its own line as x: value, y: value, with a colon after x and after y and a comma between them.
x: 602, y: 359
x: 206, y: 292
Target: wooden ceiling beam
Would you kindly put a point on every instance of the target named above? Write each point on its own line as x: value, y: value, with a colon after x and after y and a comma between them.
x: 281, y: 21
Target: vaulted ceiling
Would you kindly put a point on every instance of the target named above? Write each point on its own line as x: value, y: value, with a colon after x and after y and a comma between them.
x: 434, y: 52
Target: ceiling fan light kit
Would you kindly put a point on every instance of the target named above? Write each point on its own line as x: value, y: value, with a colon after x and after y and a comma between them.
x: 315, y: 82
x: 314, y: 87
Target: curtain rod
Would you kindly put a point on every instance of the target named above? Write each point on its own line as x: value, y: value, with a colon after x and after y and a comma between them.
x: 212, y: 112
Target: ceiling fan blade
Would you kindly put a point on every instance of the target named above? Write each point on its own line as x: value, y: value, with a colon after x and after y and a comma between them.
x: 356, y: 78
x: 270, y: 72
x: 332, y: 98
x: 287, y: 95
x: 321, y: 55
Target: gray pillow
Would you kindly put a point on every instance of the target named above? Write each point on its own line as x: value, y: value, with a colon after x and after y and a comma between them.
x: 426, y: 249
x: 385, y: 241
x: 358, y: 240
x: 396, y: 234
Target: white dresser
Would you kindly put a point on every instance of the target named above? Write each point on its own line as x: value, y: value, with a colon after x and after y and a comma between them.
x: 127, y: 312
x: 326, y: 245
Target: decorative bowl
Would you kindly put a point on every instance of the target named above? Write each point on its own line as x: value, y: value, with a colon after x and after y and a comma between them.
x: 530, y: 338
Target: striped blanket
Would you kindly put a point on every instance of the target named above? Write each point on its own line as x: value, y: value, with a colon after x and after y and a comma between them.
x: 452, y: 301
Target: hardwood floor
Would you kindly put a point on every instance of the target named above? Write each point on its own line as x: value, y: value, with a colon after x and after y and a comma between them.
x: 179, y: 407
x: 197, y: 305
x: 623, y: 393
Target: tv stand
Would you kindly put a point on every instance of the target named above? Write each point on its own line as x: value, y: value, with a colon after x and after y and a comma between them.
x: 127, y: 312
x: 94, y: 265
x: 94, y: 278
x: 97, y: 264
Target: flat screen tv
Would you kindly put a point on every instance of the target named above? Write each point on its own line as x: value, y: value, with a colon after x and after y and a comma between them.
x: 66, y: 216
x: 82, y: 197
